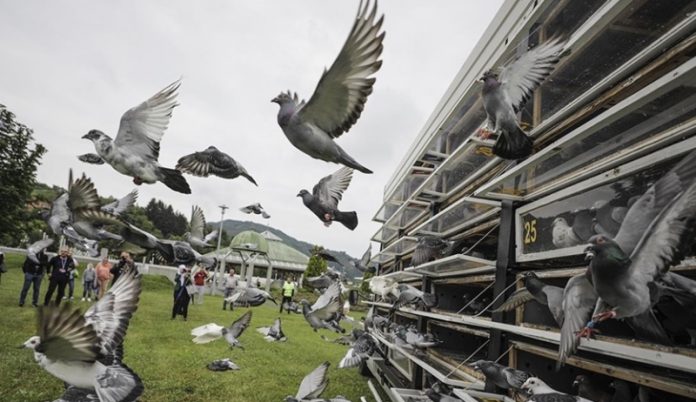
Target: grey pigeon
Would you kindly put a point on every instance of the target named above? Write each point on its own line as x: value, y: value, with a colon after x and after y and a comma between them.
x: 88, y: 217
x: 181, y: 252
x: 141, y: 238
x: 563, y: 235
x: 579, y: 298
x: 429, y: 248
x: 251, y: 297
x: 439, y: 392
x: 135, y: 150
x: 543, y: 393
x: 502, y: 376
x: 323, y: 313
x: 590, y: 389
x: 339, y: 97
x: 85, y: 351
x: 196, y: 234
x: 410, y: 338
x: 256, y: 209
x: 291, y: 306
x: 323, y: 201
x: 535, y: 289
x: 410, y: 295
x: 274, y: 333
x: 364, y: 346
x: 222, y: 365
x: 505, y: 94
x: 312, y: 385
x: 608, y: 218
x: 364, y: 264
x: 210, y: 332
x: 212, y: 162
x: 36, y: 248
x: 622, y: 391
x: 120, y: 206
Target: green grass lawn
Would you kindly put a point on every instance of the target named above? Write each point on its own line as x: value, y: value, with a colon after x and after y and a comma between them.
x: 172, y: 367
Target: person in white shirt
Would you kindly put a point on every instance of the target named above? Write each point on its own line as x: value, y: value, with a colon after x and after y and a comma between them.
x: 229, y: 282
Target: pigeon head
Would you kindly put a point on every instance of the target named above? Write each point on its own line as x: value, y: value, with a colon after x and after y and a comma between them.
x: 285, y: 98
x: 489, y: 76
x: 532, y: 383
x: 529, y: 274
x: 306, y: 196
x: 32, y: 343
x: 580, y: 379
x: 606, y: 249
x: 94, y: 135
x: 479, y: 365
x: 560, y: 221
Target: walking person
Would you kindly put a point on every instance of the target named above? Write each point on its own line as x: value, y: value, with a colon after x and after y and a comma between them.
x: 182, y: 297
x: 89, y: 277
x: 60, y: 267
x: 199, y: 279
x: 103, y: 271
x: 288, y: 293
x: 230, y: 284
x: 33, y: 274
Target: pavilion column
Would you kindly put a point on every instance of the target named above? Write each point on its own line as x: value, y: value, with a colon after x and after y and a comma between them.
x: 269, y: 272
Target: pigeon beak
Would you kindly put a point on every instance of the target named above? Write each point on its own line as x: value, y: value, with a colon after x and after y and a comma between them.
x: 590, y: 253
x: 275, y: 100
x: 575, y: 383
x: 86, y: 137
x: 299, y: 194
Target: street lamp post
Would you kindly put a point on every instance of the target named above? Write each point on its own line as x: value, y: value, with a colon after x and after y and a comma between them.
x: 221, y: 262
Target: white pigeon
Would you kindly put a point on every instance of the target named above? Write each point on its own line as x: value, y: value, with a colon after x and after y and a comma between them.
x: 195, y: 235
x: 383, y: 287
x: 273, y: 333
x: 135, y: 150
x: 563, y: 234
x: 210, y: 332
x: 542, y: 392
x: 85, y: 351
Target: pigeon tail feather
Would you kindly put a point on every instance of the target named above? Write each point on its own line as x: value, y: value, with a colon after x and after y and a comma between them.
x: 348, y: 219
x: 348, y: 160
x: 119, y: 383
x: 514, y: 144
x: 429, y: 299
x: 173, y: 179
x: 248, y: 177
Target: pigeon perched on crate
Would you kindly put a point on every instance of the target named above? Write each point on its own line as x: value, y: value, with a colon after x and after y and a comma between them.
x: 365, y: 345
x: 222, y: 365
x: 210, y: 332
x: 212, y: 161
x: 85, y: 351
x: 256, y: 209
x: 410, y: 295
x: 383, y: 287
x: 326, y: 194
x: 608, y: 218
x: 505, y: 94
x: 535, y: 289
x: 135, y: 150
x: 543, y: 393
x: 195, y: 236
x: 339, y: 97
x: 274, y: 333
x: 502, y: 376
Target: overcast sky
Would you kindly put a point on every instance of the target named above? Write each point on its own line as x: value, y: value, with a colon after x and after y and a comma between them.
x: 71, y: 66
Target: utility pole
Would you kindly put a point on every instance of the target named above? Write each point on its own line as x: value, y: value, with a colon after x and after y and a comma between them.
x: 221, y: 263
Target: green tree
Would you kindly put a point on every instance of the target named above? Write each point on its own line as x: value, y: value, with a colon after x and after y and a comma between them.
x: 170, y: 223
x: 316, y: 264
x: 365, y: 284
x: 19, y: 159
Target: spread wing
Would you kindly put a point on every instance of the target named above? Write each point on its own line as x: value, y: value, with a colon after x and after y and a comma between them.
x: 240, y: 325
x: 206, y: 333
x: 366, y: 257
x: 91, y: 158
x: 521, y: 77
x: 518, y: 298
x: 83, y: 195
x: 197, y: 222
x: 65, y: 335
x: 515, y: 377
x: 111, y: 315
x: 204, y: 163
x: 579, y: 299
x: 143, y: 126
x: 340, y: 96
x: 38, y: 246
x: 314, y: 383
x: 120, y: 206
x: 329, y: 190
x: 210, y: 236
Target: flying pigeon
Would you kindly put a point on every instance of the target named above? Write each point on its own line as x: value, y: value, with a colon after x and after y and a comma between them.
x: 534, y: 289
x: 383, y: 287
x: 563, y: 235
x: 502, y: 376
x: 364, y: 346
x: 364, y: 264
x: 222, y: 365
x: 135, y: 150
x: 291, y: 306
x: 506, y: 93
x: 197, y: 229
x: 36, y: 248
x: 212, y: 162
x: 325, y: 197
x: 543, y: 393
x: 120, y: 206
x: 312, y: 385
x: 410, y: 295
x: 273, y: 333
x: 608, y: 218
x: 85, y: 351
x: 250, y: 297
x: 256, y: 209
x: 139, y: 237
x: 323, y: 313
x: 590, y: 389
x: 210, y: 332
x: 340, y: 96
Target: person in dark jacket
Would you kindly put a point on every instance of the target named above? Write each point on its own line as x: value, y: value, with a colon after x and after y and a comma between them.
x: 33, y: 274
x: 182, y: 298
x: 125, y: 264
x: 60, y: 267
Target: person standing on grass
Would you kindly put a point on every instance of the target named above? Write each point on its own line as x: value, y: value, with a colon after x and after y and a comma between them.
x: 125, y: 264
x: 2, y: 265
x: 60, y: 267
x: 33, y: 274
x: 230, y: 284
x: 199, y: 278
x: 288, y: 292
x: 181, y: 294
x: 103, y: 276
x: 88, y: 279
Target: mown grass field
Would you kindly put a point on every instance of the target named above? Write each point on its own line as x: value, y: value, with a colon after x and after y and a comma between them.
x: 173, y: 368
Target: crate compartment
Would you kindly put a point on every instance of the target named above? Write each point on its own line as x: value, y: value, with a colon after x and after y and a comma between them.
x: 454, y: 294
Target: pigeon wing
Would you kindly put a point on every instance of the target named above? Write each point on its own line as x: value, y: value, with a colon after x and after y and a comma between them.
x: 38, y: 246
x: 521, y: 77
x: 210, y: 236
x: 515, y: 377
x: 205, y: 163
x: 579, y: 299
x: 365, y: 259
x: 240, y: 325
x: 120, y: 206
x: 143, y: 126
x: 118, y: 383
x: 206, y: 333
x: 91, y: 158
x: 332, y: 292
x: 329, y: 190
x: 83, y: 195
x: 197, y: 224
x: 65, y: 335
x: 314, y: 383
x: 516, y: 299
x: 340, y: 96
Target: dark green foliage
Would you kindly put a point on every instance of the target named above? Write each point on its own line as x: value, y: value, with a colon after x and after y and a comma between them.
x: 316, y: 265
x: 19, y: 158
x: 166, y: 219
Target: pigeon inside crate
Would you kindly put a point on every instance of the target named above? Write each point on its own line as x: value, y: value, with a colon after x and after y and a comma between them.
x: 453, y: 297
x: 458, y: 346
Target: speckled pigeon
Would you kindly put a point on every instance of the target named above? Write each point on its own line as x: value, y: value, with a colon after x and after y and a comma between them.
x: 323, y: 201
x: 211, y: 161
x: 502, y: 376
x: 534, y: 289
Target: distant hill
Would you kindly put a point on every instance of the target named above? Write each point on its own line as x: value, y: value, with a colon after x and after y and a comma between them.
x: 233, y: 227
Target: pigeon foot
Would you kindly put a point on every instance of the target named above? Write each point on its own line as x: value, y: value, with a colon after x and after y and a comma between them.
x: 587, y: 332
x: 137, y: 180
x: 604, y: 316
x: 484, y: 133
